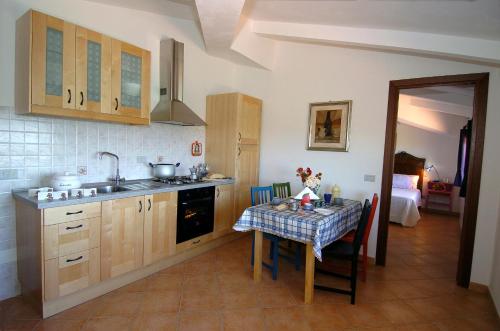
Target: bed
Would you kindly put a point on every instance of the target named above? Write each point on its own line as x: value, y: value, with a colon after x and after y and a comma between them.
x: 406, y: 196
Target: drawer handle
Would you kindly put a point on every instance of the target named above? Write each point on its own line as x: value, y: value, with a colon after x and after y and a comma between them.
x: 196, y: 241
x: 74, y: 227
x: 239, y: 136
x: 140, y: 206
x: 69, y: 95
x: 81, y: 96
x: 116, y: 103
x: 73, y: 260
x: 149, y: 204
x: 74, y: 213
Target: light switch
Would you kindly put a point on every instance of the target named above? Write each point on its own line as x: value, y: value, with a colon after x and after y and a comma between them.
x: 370, y: 178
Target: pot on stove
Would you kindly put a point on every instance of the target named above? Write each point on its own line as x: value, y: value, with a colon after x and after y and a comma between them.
x: 164, y: 170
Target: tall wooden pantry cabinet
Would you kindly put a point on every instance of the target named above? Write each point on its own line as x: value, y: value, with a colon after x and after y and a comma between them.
x: 233, y: 142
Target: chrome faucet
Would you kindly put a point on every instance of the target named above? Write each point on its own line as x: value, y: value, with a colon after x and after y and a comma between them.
x: 117, y: 178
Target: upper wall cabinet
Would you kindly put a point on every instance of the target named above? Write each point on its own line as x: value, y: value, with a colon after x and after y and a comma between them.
x: 130, y: 80
x: 70, y: 71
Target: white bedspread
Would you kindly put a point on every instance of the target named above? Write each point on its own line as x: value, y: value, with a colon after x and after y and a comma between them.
x: 404, y: 206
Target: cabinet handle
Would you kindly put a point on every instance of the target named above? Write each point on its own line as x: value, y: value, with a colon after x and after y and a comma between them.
x: 74, y: 227
x: 196, y: 241
x: 69, y: 93
x: 116, y: 103
x: 149, y: 204
x: 73, y: 260
x: 218, y: 192
x: 81, y: 95
x: 140, y: 206
x: 239, y: 151
x: 74, y: 213
x: 239, y: 136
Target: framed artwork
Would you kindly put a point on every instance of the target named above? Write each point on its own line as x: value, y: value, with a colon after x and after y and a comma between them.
x: 329, y: 126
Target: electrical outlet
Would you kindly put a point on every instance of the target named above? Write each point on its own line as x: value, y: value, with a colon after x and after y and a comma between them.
x: 82, y: 170
x: 370, y: 178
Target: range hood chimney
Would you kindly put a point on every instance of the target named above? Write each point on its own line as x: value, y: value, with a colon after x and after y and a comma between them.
x: 170, y: 109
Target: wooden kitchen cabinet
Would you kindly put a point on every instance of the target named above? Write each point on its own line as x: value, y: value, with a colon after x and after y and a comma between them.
x: 160, y: 225
x: 53, y: 63
x: 93, y: 71
x: 224, y: 210
x: 71, y: 249
x: 69, y: 71
x: 122, y: 236
x: 130, y: 79
x: 233, y: 142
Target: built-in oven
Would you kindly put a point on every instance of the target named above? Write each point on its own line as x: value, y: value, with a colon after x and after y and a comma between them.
x: 195, y: 213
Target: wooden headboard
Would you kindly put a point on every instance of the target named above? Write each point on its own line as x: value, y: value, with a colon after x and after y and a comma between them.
x: 408, y: 164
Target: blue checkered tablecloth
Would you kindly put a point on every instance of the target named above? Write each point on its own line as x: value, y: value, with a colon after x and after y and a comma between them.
x: 303, y: 226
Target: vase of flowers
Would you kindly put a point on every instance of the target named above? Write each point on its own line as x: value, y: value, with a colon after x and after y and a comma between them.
x: 308, y: 179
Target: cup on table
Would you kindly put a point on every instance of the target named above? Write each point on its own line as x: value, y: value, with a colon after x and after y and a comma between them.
x: 327, y: 197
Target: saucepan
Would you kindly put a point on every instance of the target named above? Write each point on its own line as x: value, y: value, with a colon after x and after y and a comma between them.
x: 164, y: 170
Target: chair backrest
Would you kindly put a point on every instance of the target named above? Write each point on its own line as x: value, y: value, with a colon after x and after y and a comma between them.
x: 360, y: 230
x: 261, y: 194
x: 282, y: 190
x: 370, y: 218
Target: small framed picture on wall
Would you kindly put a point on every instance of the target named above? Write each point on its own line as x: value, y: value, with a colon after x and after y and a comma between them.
x: 329, y: 126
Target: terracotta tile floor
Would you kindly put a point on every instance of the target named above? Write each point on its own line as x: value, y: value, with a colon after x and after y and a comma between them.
x: 215, y: 291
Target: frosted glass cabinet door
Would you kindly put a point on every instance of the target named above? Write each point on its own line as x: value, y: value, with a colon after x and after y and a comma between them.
x: 130, y: 80
x: 93, y: 71
x: 53, y: 62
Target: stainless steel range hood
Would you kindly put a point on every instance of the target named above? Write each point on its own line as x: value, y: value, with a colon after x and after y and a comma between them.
x: 170, y: 109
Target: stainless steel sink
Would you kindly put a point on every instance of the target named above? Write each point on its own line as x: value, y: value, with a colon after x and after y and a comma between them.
x: 111, y: 189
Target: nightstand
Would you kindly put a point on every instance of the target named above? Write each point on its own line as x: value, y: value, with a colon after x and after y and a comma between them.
x: 442, y: 190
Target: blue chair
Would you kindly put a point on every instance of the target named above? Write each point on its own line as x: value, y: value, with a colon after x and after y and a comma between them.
x: 261, y: 195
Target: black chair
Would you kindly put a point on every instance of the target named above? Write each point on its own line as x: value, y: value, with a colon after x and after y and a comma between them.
x: 346, y: 251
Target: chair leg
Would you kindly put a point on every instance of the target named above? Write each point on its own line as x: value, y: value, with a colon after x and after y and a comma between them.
x: 271, y: 249
x: 275, y: 259
x: 354, y: 275
x: 298, y: 253
x: 253, y: 248
x: 365, y: 262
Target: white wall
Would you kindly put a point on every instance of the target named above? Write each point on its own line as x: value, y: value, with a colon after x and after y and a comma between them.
x: 33, y: 148
x: 305, y: 73
x: 495, y: 275
x: 438, y: 149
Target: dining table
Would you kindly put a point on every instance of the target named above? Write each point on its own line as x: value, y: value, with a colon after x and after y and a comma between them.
x: 312, y: 228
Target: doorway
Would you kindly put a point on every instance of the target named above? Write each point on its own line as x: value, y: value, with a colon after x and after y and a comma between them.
x: 480, y: 83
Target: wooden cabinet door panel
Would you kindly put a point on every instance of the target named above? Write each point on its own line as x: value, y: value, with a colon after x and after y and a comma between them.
x: 248, y: 120
x: 53, y: 62
x: 224, y: 210
x: 67, y: 274
x: 93, y: 71
x: 221, y: 133
x: 160, y: 225
x: 247, y: 175
x: 122, y: 236
x: 130, y: 75
x: 71, y: 237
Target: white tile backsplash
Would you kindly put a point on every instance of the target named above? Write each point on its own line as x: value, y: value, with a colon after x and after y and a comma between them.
x: 33, y: 148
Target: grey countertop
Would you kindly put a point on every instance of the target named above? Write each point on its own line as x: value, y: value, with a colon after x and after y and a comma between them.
x: 42, y: 204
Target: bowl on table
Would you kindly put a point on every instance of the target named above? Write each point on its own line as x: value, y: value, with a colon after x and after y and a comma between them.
x: 308, y: 206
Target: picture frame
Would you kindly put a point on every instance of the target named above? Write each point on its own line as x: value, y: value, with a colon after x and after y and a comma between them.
x: 329, y: 126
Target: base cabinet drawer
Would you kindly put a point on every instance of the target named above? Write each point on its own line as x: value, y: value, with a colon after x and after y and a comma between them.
x: 71, y: 237
x: 70, y: 273
x: 71, y: 213
x: 195, y: 242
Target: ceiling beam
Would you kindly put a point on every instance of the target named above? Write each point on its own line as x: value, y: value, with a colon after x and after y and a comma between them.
x: 453, y: 47
x: 219, y: 21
